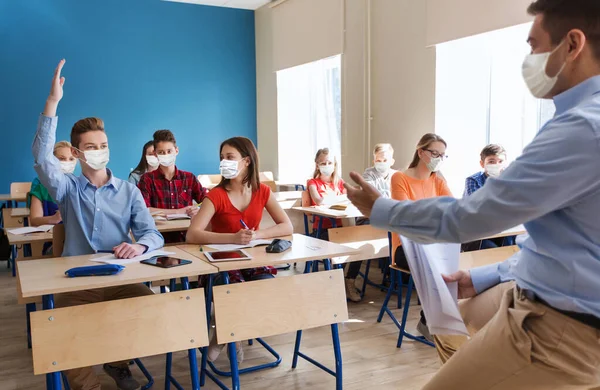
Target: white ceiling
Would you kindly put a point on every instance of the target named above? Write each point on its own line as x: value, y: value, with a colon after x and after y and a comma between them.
x: 244, y: 4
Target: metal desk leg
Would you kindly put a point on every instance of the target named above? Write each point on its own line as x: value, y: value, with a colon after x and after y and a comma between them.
x: 52, y: 379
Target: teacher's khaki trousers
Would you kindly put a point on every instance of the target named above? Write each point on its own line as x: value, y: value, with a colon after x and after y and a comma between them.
x: 517, y: 344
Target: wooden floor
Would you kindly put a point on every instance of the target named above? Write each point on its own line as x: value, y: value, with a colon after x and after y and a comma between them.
x: 370, y: 357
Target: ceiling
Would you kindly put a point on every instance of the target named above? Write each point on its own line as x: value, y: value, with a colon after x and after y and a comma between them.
x: 244, y: 4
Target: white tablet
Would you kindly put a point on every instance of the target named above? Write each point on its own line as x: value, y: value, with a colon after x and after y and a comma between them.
x: 236, y: 255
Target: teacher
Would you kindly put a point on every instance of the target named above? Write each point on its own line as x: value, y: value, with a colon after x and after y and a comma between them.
x: 535, y: 318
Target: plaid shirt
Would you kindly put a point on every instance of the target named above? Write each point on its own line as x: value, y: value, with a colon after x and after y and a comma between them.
x: 171, y: 194
x: 474, y: 182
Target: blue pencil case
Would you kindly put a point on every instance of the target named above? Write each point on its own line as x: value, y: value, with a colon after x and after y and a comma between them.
x: 95, y: 270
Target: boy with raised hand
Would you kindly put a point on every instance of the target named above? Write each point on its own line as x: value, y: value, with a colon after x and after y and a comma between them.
x: 98, y: 211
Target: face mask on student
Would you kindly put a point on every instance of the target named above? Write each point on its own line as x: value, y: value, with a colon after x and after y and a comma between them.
x: 494, y: 170
x: 326, y: 170
x: 229, y: 169
x: 68, y: 166
x: 166, y: 160
x: 435, y: 164
x: 96, y: 159
x: 152, y: 161
x: 383, y: 167
x: 535, y: 76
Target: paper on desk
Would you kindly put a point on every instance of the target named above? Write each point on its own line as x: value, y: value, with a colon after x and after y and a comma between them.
x: 31, y: 229
x: 111, y: 259
x: 438, y: 299
x: 233, y: 247
x: 173, y: 217
x: 330, y: 200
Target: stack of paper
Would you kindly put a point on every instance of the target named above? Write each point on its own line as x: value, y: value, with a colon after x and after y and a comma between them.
x: 31, y: 229
x: 173, y: 217
x: 233, y: 247
x: 439, y: 300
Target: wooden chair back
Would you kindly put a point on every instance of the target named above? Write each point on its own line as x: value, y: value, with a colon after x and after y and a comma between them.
x: 209, y: 181
x: 11, y: 222
x: 266, y: 176
x: 117, y: 330
x: 469, y: 260
x: 20, y: 190
x: 318, y: 298
x: 272, y: 185
x: 372, y: 243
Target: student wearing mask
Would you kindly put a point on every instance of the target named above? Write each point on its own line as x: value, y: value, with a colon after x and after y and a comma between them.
x: 380, y: 174
x: 535, y: 318
x: 98, y: 210
x: 233, y: 210
x: 148, y: 163
x: 493, y: 162
x: 168, y: 189
x: 421, y: 180
x: 327, y: 182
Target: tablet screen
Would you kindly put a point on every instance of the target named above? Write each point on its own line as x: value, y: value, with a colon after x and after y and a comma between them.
x: 228, y: 255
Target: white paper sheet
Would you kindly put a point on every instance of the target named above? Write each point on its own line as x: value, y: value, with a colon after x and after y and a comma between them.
x: 330, y: 200
x: 31, y: 229
x: 111, y: 259
x: 438, y: 299
x: 233, y: 247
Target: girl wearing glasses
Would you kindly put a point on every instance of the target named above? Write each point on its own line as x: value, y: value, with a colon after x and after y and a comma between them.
x: 421, y: 180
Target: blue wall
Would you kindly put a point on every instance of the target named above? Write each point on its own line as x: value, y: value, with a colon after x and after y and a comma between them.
x: 140, y: 65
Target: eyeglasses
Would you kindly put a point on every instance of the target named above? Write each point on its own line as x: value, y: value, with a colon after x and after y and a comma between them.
x: 436, y: 154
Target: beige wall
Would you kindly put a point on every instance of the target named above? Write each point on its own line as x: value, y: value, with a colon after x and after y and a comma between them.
x: 452, y: 19
x: 402, y: 77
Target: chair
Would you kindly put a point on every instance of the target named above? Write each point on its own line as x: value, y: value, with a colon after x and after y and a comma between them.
x: 272, y: 185
x: 266, y: 176
x: 19, y: 191
x: 372, y: 244
x: 396, y: 280
x: 319, y: 299
x: 114, y: 323
x: 209, y: 181
x: 11, y: 222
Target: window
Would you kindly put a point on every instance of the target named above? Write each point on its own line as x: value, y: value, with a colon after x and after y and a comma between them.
x: 481, y: 98
x: 309, y: 116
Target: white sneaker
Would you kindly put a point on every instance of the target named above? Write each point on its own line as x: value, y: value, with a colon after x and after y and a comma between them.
x: 351, y: 291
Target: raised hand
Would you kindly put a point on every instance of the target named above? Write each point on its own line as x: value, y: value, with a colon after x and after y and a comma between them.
x: 56, y: 91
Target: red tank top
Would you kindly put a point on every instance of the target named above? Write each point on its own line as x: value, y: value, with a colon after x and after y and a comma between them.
x: 227, y: 217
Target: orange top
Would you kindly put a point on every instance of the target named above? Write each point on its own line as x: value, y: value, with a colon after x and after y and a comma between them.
x: 405, y: 187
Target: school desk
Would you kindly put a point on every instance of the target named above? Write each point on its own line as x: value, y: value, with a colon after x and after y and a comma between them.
x: 179, y: 225
x: 515, y: 231
x: 47, y: 277
x: 304, y: 249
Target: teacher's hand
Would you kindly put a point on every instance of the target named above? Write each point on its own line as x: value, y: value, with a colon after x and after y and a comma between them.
x: 364, y: 197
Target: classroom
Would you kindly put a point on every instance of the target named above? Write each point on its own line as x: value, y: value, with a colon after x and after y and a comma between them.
x: 291, y: 194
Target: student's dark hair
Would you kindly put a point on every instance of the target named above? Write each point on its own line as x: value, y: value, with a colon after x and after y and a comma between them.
x: 562, y: 16
x: 163, y: 136
x: 83, y: 126
x: 492, y: 150
x: 424, y: 143
x: 247, y: 149
x: 142, y: 166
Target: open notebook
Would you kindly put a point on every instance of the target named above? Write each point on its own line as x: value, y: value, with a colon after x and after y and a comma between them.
x: 439, y: 300
x: 31, y: 229
x: 232, y: 247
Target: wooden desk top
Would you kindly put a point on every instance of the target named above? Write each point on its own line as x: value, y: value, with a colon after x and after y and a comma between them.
x: 304, y: 248
x: 180, y: 225
x: 287, y: 195
x: 325, y: 211
x: 483, y: 257
x: 16, y: 197
x: 18, y: 239
x: 509, y: 232
x: 47, y: 276
x: 19, y: 212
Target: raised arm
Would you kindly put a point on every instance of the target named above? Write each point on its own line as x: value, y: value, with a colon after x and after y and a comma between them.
x: 46, y: 165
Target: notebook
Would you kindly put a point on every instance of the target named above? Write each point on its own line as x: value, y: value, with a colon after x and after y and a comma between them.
x: 31, y: 229
x: 174, y: 217
x: 233, y: 247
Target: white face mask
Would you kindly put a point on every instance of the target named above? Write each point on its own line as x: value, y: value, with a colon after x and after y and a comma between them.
x: 68, y: 166
x: 435, y: 164
x: 535, y: 76
x: 229, y: 169
x: 152, y: 161
x: 383, y: 167
x: 97, y: 159
x: 326, y: 170
x: 167, y: 160
x: 494, y: 170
